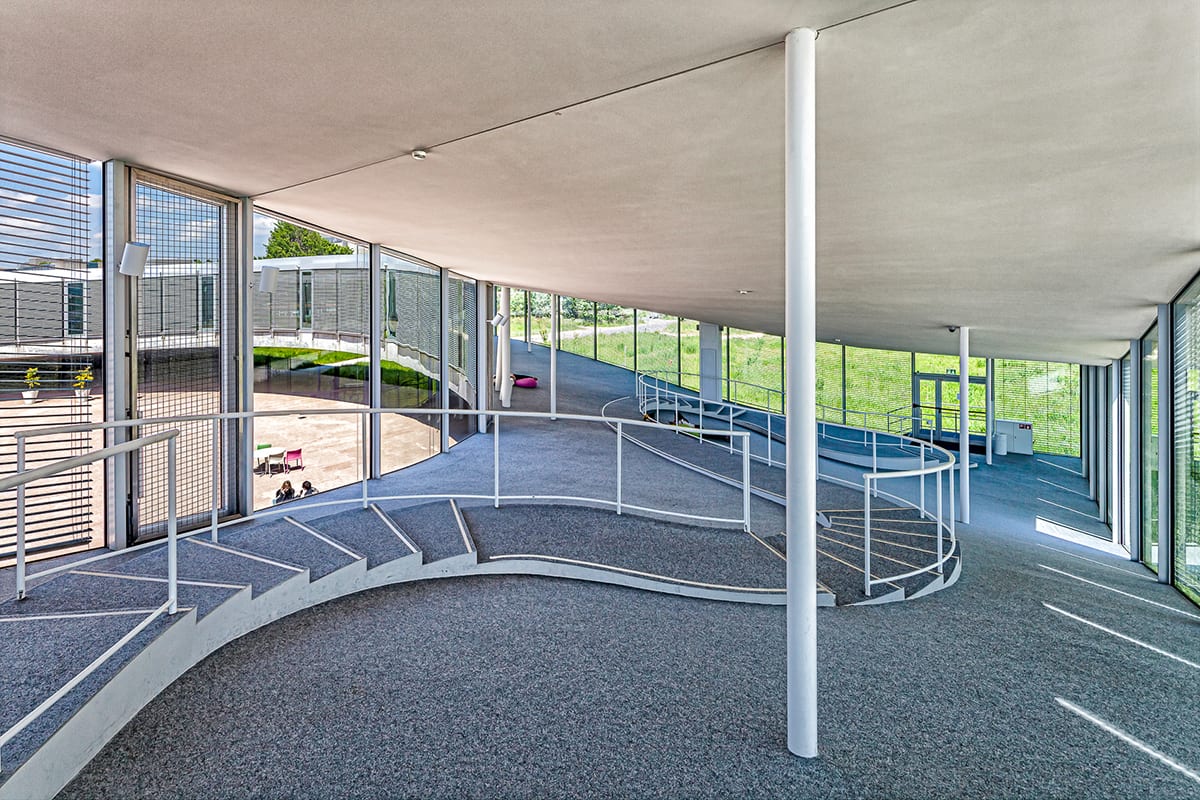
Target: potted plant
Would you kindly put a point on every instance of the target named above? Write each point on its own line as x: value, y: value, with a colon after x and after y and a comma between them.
x: 83, y: 382
x: 32, y: 382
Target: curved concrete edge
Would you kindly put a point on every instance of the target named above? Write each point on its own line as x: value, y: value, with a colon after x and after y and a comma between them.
x: 189, y: 640
x: 595, y: 574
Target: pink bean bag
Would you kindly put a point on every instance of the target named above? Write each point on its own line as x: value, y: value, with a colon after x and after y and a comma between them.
x: 526, y: 382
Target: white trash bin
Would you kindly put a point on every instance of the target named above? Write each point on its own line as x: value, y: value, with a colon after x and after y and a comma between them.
x: 1000, y: 444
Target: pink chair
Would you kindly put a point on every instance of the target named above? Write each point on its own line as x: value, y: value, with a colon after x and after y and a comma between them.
x: 292, y: 458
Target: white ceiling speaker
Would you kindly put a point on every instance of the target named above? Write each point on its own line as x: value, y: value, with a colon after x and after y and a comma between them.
x: 266, y: 280
x: 133, y: 260
x: 498, y: 320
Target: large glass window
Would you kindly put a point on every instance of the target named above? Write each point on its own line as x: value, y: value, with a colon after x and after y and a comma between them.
x: 461, y: 358
x: 878, y: 380
x: 577, y: 326
x: 311, y: 350
x: 689, y: 353
x: 829, y: 375
x: 410, y: 362
x: 754, y: 369
x: 614, y: 335
x: 1150, y: 445
x: 1186, y: 435
x: 539, y: 318
x: 658, y: 344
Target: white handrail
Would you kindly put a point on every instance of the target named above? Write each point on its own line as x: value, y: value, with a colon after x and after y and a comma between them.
x: 21, y: 479
x: 866, y: 436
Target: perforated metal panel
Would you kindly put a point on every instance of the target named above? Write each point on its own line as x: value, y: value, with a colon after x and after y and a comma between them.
x: 185, y: 364
x: 49, y: 297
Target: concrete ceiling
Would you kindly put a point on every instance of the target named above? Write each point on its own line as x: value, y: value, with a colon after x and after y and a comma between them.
x: 1031, y: 169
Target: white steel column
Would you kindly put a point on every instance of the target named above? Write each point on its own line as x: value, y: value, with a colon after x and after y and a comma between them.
x: 118, y: 348
x: 1117, y: 500
x: 1085, y: 411
x: 989, y: 405
x: 1133, y: 462
x: 483, y: 342
x: 1102, y: 454
x: 505, y: 332
x: 554, y: 357
x: 246, y: 299
x: 801, y: 328
x: 444, y: 371
x: 1166, y: 419
x: 375, y: 354
x: 964, y: 425
x: 1093, y: 478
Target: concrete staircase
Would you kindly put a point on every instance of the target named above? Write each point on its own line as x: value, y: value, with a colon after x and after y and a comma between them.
x: 251, y: 576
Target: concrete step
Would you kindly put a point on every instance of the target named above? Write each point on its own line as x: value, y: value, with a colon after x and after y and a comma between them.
x: 433, y: 527
x: 282, y: 541
x: 364, y: 532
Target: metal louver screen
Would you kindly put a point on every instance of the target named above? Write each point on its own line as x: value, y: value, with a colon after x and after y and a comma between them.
x: 49, y: 328
x: 187, y: 327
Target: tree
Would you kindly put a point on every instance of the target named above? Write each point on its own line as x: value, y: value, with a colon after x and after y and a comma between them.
x: 289, y: 241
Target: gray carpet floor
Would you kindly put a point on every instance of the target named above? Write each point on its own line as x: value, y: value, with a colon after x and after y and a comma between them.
x: 535, y: 687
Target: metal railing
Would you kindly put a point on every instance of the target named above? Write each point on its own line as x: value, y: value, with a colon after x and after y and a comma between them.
x: 656, y: 394
x: 18, y: 482
x: 24, y: 477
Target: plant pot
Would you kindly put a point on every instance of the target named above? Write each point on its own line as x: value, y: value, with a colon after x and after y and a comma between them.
x: 83, y: 394
x: 30, y: 396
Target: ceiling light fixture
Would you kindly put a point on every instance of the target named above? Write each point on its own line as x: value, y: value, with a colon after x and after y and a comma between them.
x: 419, y: 155
x: 744, y: 291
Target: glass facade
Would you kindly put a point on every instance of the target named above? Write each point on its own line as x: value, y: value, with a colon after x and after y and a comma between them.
x: 577, y: 326
x: 312, y: 350
x: 410, y: 363
x: 1186, y: 439
x: 1150, y: 443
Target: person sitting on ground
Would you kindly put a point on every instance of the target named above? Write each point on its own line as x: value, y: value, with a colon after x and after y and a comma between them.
x: 285, y: 492
x: 307, y: 488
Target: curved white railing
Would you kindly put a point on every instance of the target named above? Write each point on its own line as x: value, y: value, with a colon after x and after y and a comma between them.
x: 656, y: 390
x: 24, y: 477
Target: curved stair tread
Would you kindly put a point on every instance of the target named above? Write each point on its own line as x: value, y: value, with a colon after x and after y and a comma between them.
x: 432, y: 527
x: 281, y: 541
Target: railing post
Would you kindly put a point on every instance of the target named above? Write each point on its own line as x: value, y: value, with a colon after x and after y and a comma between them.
x: 496, y: 462
x: 953, y: 513
x: 922, y: 451
x: 867, y: 535
x: 874, y: 452
x: 746, y: 477
x: 172, y: 531
x: 20, y: 520
x: 939, y: 550
x: 939, y: 499
x: 216, y: 477
x: 620, y: 437
x: 770, y: 461
x: 366, y: 455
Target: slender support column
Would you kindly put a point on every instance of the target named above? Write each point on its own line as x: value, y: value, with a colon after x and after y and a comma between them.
x: 375, y: 352
x: 1093, y: 478
x: 528, y: 321
x: 554, y: 357
x: 483, y: 313
x: 1117, y: 499
x: 1134, y: 452
x: 497, y: 361
x: 964, y: 425
x: 1102, y: 454
x: 245, y: 402
x: 1085, y: 411
x: 989, y: 404
x: 505, y: 332
x: 1166, y: 418
x: 444, y: 371
x: 118, y: 350
x: 801, y: 329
